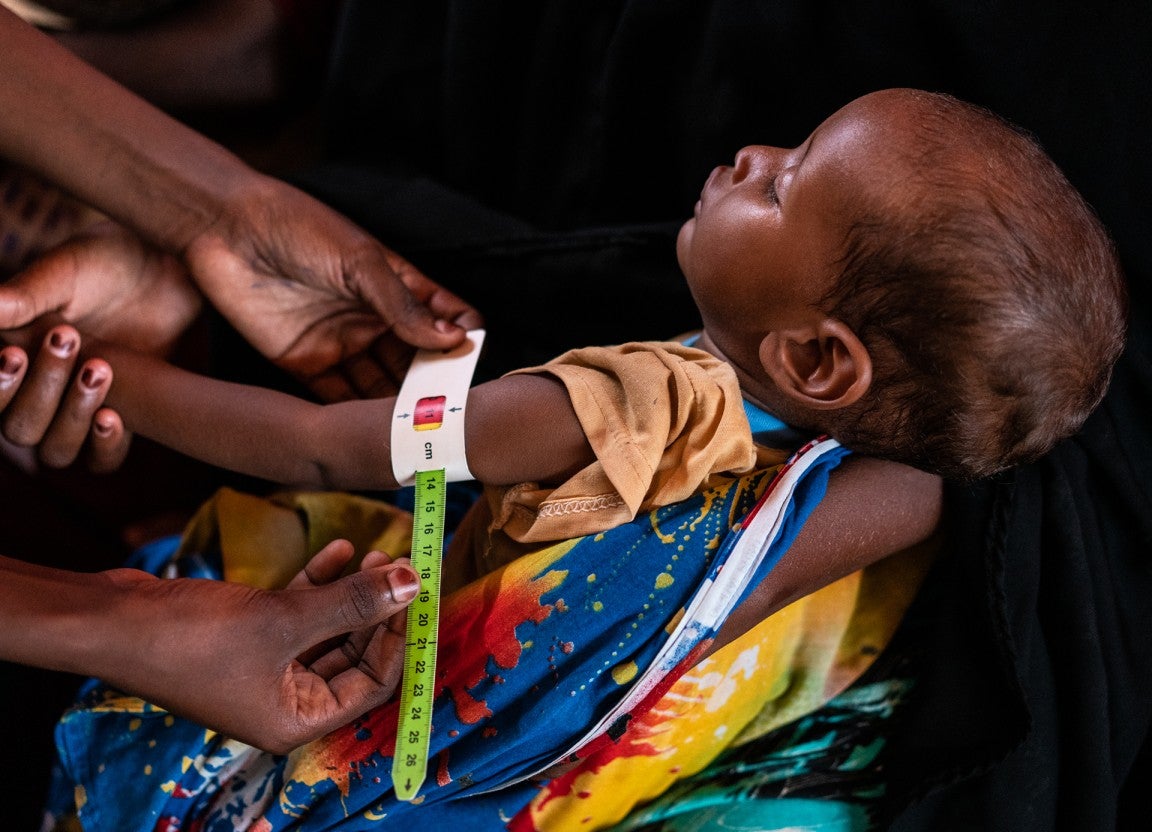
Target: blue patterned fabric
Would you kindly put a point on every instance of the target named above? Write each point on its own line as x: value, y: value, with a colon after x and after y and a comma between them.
x: 530, y: 657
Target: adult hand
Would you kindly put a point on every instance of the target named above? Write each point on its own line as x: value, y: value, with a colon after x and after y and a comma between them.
x: 49, y: 405
x: 320, y: 296
x: 305, y: 286
x: 273, y: 669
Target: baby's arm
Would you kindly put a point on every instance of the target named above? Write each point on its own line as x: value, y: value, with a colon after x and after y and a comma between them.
x: 520, y: 428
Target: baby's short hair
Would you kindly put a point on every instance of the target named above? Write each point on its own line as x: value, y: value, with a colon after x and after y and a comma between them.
x: 992, y: 304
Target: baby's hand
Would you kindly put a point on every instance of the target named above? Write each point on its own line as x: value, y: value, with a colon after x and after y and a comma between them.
x: 110, y: 284
x: 50, y: 406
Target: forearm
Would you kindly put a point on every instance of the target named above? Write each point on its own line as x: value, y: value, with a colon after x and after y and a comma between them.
x: 172, y: 642
x: 519, y: 429
x: 251, y: 430
x: 53, y: 619
x: 83, y: 131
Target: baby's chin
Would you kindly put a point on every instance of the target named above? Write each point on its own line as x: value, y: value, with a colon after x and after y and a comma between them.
x: 684, y: 239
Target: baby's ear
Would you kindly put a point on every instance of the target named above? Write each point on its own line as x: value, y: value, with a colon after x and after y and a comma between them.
x: 822, y: 366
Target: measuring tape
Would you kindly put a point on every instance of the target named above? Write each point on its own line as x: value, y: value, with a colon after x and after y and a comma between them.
x: 413, y: 734
x: 428, y: 451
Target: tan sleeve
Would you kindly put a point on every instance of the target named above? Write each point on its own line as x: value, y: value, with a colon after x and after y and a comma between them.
x: 662, y: 420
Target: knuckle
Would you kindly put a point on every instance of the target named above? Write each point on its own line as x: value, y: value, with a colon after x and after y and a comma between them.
x: 23, y: 431
x: 58, y: 456
x: 361, y: 604
x: 279, y: 740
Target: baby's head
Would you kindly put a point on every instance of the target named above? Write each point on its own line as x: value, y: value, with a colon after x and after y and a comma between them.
x: 918, y: 279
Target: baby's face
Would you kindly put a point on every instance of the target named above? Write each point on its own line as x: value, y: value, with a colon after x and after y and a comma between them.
x: 768, y: 231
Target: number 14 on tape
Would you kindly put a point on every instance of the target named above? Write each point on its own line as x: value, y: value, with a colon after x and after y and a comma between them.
x: 427, y: 440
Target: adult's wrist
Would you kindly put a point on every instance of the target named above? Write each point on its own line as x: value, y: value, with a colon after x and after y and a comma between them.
x: 228, y: 210
x: 59, y: 620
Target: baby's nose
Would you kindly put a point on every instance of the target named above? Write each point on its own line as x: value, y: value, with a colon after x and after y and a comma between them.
x: 753, y: 160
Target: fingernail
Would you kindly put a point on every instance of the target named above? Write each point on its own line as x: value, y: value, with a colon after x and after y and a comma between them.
x: 91, y: 378
x: 61, y: 344
x: 101, y: 429
x: 9, y: 364
x: 444, y: 326
x: 404, y: 584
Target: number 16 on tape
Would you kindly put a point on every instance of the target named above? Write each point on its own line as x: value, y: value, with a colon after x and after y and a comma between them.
x: 410, y: 763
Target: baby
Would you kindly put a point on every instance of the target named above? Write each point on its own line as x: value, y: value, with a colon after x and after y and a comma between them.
x: 917, y: 279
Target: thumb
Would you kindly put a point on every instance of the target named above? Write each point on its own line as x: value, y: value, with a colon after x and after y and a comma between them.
x: 40, y: 288
x: 412, y: 320
x: 393, y: 290
x: 363, y: 599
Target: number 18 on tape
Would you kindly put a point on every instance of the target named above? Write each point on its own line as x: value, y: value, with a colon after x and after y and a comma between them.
x: 427, y: 450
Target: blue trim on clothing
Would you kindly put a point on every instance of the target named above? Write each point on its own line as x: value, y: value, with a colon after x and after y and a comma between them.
x: 770, y: 431
x: 767, y: 429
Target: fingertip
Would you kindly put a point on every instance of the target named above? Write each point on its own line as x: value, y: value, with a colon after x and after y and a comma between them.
x: 95, y: 374
x: 13, y: 362
x: 374, y: 559
x: 423, y: 329
x: 338, y: 545
x: 106, y: 423
x: 470, y: 319
x: 404, y: 583
x: 62, y: 340
x: 109, y: 442
x: 326, y: 565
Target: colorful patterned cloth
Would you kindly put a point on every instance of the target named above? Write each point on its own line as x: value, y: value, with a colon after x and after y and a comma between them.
x: 571, y: 668
x: 820, y: 773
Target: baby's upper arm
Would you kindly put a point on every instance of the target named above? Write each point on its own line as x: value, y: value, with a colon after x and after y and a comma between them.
x: 872, y: 509
x: 523, y: 428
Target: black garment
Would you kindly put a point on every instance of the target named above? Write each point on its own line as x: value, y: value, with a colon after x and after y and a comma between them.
x: 1035, y: 708
x: 538, y: 157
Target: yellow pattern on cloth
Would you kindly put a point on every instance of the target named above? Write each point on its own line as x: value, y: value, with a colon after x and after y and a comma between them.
x: 265, y: 541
